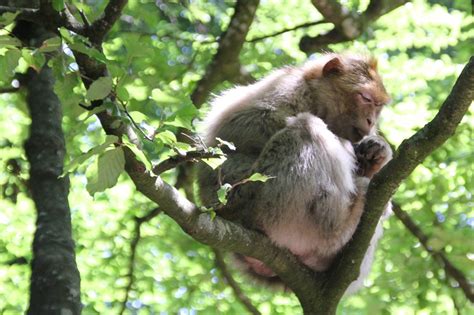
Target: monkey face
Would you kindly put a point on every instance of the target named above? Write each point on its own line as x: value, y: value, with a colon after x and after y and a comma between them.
x: 362, y: 96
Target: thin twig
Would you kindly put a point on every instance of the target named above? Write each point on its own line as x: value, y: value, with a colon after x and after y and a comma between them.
x: 133, y: 250
x: 192, y: 156
x: 439, y: 256
x: 239, y: 294
x: 11, y: 89
x: 304, y: 25
x: 84, y: 18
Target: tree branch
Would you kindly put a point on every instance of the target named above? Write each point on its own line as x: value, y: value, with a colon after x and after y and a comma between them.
x: 409, y: 155
x: 451, y: 270
x: 100, y: 27
x: 304, y: 25
x: 225, y: 65
x: 10, y: 89
x: 347, y: 25
x: 239, y: 294
x: 55, y: 279
x: 192, y: 156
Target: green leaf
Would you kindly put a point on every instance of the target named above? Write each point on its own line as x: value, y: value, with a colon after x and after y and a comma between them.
x: 58, y: 5
x: 89, y: 51
x: 183, y: 117
x: 228, y: 144
x: 162, y: 98
x: 139, y: 155
x: 222, y: 193
x: 166, y: 137
x: 34, y: 58
x: 8, y: 18
x: 92, y: 112
x: 182, y: 147
x: 122, y: 93
x: 9, y: 41
x: 258, y: 177
x: 213, y: 214
x: 109, y: 167
x: 99, y: 89
x: 51, y: 44
x: 215, y: 162
x: 75, y: 163
x: 64, y: 88
x: 9, y: 62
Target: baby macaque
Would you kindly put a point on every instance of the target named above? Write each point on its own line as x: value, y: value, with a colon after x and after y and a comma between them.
x: 313, y: 130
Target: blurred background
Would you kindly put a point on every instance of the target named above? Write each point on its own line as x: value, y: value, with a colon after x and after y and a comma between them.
x: 156, y: 53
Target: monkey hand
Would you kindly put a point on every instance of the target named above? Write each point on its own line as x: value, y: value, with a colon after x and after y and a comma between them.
x: 372, y: 153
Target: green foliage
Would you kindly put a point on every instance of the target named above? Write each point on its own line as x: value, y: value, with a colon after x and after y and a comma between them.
x: 155, y: 54
x: 222, y: 193
x: 58, y: 5
x: 51, y: 44
x: 99, y: 89
x: 105, y: 174
x: 109, y: 141
x: 257, y: 177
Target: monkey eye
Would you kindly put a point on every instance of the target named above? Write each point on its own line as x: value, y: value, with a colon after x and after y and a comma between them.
x: 366, y: 97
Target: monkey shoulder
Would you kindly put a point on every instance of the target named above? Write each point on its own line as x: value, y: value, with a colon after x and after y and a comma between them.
x: 251, y: 128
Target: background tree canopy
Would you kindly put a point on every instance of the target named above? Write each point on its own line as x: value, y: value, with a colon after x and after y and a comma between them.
x: 163, y: 60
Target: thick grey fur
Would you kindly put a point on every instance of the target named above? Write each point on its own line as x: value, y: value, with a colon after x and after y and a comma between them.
x: 279, y: 126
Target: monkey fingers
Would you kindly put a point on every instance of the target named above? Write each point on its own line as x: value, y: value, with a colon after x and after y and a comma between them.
x: 372, y: 153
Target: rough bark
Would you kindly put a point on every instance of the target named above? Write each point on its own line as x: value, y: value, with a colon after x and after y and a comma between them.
x: 225, y: 64
x: 348, y: 25
x: 55, y: 280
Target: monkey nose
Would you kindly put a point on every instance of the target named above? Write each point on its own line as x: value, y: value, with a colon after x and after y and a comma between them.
x: 369, y: 122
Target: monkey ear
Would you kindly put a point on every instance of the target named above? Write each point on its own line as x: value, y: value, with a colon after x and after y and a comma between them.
x: 332, y: 66
x: 373, y: 63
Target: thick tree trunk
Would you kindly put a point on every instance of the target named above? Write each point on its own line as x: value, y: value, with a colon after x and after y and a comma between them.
x: 55, y: 280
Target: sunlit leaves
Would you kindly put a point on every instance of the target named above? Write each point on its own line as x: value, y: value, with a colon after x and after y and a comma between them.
x: 99, y: 89
x: 8, y: 18
x: 183, y: 117
x: 51, y: 44
x: 166, y: 137
x: 258, y: 177
x: 58, y: 5
x: 33, y: 58
x: 9, y: 41
x: 215, y: 162
x: 222, y: 193
x: 110, y: 165
x: 139, y: 155
x: 71, y: 166
x: 81, y: 44
x: 9, y: 61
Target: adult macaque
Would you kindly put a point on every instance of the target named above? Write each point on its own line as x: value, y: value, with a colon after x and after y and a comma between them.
x: 312, y: 129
